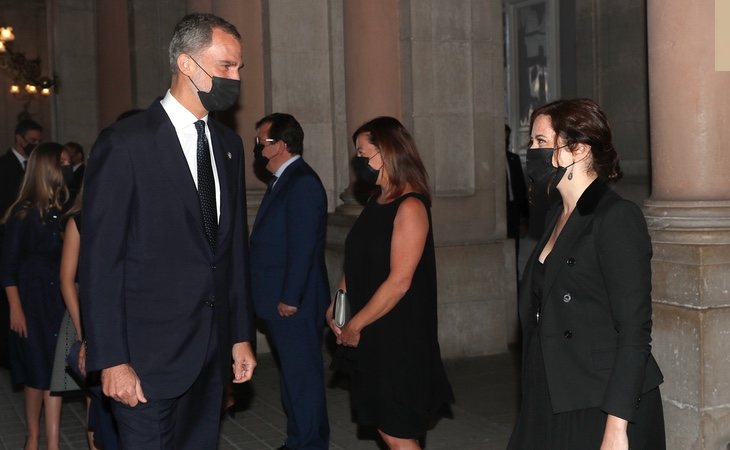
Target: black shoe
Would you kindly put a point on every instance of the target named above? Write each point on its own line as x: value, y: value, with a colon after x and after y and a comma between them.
x: 284, y: 447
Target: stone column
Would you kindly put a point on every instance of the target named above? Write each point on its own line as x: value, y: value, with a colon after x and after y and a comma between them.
x: 247, y: 16
x: 689, y: 220
x: 438, y: 67
x: 114, y: 86
x: 453, y: 101
x: 151, y: 25
x: 372, y: 60
x: 371, y: 34
x: 202, y: 6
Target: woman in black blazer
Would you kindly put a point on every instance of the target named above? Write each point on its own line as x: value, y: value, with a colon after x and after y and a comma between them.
x: 589, y: 380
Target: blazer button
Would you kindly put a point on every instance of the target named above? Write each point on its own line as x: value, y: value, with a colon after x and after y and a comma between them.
x: 571, y: 261
x: 567, y: 297
x: 567, y: 334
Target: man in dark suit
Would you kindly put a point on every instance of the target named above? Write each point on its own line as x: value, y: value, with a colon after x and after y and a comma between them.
x: 79, y: 167
x: 28, y: 134
x: 163, y: 251
x: 289, y: 277
x: 517, y: 205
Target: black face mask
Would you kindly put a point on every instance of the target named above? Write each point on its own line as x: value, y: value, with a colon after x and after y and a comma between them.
x: 363, y: 171
x: 223, y: 94
x: 540, y: 170
x: 28, y: 149
x: 258, y: 155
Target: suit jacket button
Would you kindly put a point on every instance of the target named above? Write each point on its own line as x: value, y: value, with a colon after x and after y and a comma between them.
x: 567, y: 334
x: 567, y: 297
x: 571, y: 261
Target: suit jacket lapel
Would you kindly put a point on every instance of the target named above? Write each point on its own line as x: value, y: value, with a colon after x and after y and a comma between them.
x: 568, y: 236
x: 274, y: 192
x: 222, y: 162
x: 176, y: 166
x: 579, y: 220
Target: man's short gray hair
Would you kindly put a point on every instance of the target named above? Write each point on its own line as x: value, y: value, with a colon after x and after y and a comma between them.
x: 194, y: 33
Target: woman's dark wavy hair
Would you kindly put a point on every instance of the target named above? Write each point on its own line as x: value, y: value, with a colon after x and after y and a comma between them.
x: 400, y: 155
x: 582, y: 121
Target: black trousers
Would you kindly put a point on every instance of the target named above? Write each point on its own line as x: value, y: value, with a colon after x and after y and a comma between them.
x: 191, y: 421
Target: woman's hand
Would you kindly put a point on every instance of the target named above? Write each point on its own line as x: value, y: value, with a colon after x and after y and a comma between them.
x: 82, y: 358
x: 615, y: 436
x: 349, y: 335
x: 329, y: 316
x: 17, y: 321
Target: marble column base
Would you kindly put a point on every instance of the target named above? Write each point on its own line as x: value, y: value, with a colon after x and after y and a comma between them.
x: 691, y: 300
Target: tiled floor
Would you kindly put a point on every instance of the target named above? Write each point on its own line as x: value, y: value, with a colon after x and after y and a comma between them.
x: 486, y: 405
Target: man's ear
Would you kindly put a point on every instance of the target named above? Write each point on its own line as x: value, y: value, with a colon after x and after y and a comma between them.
x: 185, y: 64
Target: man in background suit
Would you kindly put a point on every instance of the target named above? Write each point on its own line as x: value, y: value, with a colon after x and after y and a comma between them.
x: 28, y: 134
x: 517, y: 205
x: 163, y: 251
x: 77, y: 161
x: 289, y: 277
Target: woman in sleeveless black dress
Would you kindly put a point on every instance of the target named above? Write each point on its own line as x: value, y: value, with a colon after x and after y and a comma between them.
x: 398, y: 382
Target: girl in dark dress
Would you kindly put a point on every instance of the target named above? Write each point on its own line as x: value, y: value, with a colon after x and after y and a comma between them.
x: 101, y: 429
x: 398, y: 382
x: 29, y: 272
x: 589, y: 380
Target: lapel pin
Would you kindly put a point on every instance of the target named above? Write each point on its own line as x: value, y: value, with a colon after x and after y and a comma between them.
x: 228, y: 154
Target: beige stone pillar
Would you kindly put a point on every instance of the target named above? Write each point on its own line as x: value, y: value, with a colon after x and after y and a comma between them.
x: 247, y: 16
x: 453, y: 99
x: 372, y: 60
x: 689, y: 220
x: 438, y: 67
x: 203, y: 6
x: 370, y: 53
x: 73, y: 56
x: 114, y: 84
x: 371, y: 33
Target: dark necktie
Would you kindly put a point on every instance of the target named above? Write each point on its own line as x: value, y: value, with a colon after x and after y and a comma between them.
x: 206, y: 187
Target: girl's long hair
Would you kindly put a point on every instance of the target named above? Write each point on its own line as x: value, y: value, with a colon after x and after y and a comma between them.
x: 43, y: 187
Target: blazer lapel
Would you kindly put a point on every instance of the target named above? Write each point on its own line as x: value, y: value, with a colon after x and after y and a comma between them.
x: 579, y: 220
x: 274, y: 192
x: 176, y: 166
x: 568, y: 236
x: 222, y: 162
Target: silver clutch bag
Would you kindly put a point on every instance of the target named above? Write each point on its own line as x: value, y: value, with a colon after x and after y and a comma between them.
x: 341, y: 308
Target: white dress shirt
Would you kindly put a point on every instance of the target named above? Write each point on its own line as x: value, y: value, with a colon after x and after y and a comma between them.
x: 184, y: 123
x: 21, y: 159
x: 283, y: 167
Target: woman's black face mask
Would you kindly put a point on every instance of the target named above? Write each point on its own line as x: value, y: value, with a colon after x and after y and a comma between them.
x: 363, y: 171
